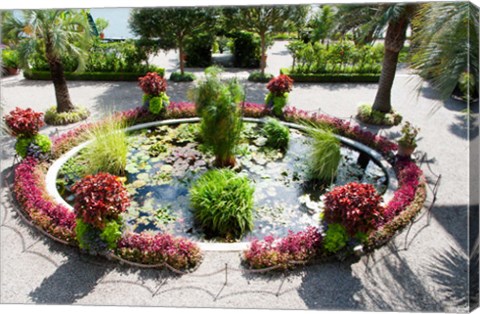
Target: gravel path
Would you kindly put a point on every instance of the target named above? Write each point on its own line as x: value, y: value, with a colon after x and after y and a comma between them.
x: 422, y: 269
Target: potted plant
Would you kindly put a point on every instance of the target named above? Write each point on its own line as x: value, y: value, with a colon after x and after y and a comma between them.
x: 10, y: 61
x: 408, y: 142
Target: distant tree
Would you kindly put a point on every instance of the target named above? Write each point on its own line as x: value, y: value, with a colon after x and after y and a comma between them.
x: 322, y: 23
x: 262, y: 20
x: 54, y: 33
x: 171, y: 27
x: 101, y: 24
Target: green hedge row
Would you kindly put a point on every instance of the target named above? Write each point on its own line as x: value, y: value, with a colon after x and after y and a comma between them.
x: 91, y: 76
x: 332, y: 78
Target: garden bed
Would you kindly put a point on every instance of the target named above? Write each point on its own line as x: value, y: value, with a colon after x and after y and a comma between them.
x: 55, y: 218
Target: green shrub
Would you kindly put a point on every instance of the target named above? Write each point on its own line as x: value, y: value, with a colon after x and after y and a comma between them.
x: 223, y: 203
x: 76, y: 115
x: 277, y: 134
x: 199, y: 50
x: 366, y: 114
x: 186, y: 77
x: 277, y: 103
x: 10, y: 58
x: 325, y: 155
x: 108, y: 151
x: 111, y: 234
x: 94, y: 76
x: 42, y: 141
x: 257, y: 76
x: 246, y: 50
x: 221, y: 126
x: 335, y: 238
x: 96, y: 240
x: 331, y: 78
x: 158, y: 104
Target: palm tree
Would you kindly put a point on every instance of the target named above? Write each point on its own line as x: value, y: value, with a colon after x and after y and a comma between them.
x: 53, y: 33
x: 367, y: 23
x: 442, y: 52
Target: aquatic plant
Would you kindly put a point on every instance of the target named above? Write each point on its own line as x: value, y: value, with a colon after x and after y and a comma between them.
x: 325, y: 155
x: 277, y: 134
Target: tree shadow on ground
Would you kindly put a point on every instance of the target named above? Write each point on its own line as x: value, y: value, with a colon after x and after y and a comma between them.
x: 72, y: 280
x: 454, y: 220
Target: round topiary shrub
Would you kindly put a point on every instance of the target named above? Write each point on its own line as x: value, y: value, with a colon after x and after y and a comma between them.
x: 355, y: 206
x: 52, y: 117
x: 223, y: 204
x: 185, y: 77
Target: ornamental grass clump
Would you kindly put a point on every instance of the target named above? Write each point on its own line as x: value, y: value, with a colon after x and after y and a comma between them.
x: 222, y: 204
x: 277, y: 134
x: 277, y: 98
x: 109, y: 147
x: 99, y: 201
x: 25, y: 124
x: 325, y: 155
x: 217, y: 103
x: 155, y: 96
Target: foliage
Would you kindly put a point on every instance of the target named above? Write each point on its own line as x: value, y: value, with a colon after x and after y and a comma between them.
x: 99, y: 199
x: 277, y: 134
x: 158, y: 104
x: 341, y: 57
x: 152, y: 84
x: 24, y: 122
x: 94, y: 76
x: 185, y: 77
x: 112, y: 233
x: 109, y: 147
x: 10, y: 58
x: 217, y: 104
x: 246, y: 50
x: 446, y: 44
x: 409, y: 135
x: 280, y: 85
x: 198, y: 50
x: 254, y: 110
x: 257, y: 76
x: 223, y: 203
x: 336, y: 238
x: 295, y: 247
x: 25, y: 145
x: 356, y: 206
x: 322, y: 23
x: 156, y: 249
x: 52, y: 117
x: 30, y: 191
x: 88, y: 238
x: 174, y: 26
x: 467, y: 86
x: 101, y: 24
x: 368, y: 115
x: 325, y: 155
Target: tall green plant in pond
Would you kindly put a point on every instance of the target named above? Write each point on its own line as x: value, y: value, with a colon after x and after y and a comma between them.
x: 325, y: 154
x: 217, y: 104
x: 108, y: 151
x: 223, y: 203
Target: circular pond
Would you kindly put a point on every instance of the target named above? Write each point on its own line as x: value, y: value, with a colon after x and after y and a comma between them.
x: 165, y: 158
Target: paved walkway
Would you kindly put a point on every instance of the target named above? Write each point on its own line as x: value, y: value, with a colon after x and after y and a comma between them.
x: 423, y: 269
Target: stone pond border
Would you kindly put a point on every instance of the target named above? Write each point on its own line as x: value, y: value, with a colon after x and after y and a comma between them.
x: 52, y: 172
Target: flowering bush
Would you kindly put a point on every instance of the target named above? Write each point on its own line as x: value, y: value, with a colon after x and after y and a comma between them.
x: 295, y: 247
x: 408, y: 174
x: 152, y: 84
x: 356, y: 206
x: 180, y: 110
x: 24, y: 122
x: 254, y: 110
x: 99, y: 199
x: 30, y: 191
x: 280, y: 85
x: 151, y: 249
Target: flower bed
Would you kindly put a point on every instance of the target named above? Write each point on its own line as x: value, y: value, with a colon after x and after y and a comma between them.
x: 29, y: 188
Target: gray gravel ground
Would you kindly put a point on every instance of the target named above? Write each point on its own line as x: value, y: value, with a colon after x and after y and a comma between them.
x: 422, y: 269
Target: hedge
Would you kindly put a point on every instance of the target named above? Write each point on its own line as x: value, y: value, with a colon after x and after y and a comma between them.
x: 91, y: 76
x: 332, y: 78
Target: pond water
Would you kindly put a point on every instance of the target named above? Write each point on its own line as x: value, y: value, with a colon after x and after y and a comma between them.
x: 163, y: 162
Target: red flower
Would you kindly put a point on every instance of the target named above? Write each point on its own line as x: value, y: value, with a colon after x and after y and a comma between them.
x: 355, y: 205
x: 24, y: 122
x: 152, y: 84
x: 280, y: 85
x: 99, y: 198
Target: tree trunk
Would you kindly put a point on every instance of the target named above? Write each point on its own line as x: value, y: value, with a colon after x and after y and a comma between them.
x: 394, y: 40
x: 182, y: 57
x: 64, y: 104
x: 263, y: 58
